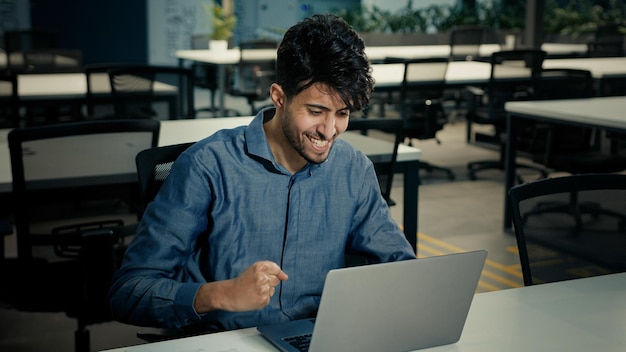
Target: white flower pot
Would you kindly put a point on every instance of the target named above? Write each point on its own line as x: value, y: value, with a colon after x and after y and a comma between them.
x: 218, y: 45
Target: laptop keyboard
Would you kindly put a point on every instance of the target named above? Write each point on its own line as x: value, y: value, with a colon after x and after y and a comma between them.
x: 301, y: 342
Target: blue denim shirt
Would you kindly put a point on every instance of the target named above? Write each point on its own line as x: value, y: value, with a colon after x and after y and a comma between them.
x: 227, y: 204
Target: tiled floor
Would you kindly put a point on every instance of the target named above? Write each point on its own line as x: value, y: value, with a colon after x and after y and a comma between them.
x: 454, y: 216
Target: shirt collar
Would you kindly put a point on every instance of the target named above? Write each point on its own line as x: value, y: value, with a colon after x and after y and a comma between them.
x: 258, y: 147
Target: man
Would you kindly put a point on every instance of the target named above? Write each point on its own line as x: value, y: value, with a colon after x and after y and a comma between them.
x: 251, y: 219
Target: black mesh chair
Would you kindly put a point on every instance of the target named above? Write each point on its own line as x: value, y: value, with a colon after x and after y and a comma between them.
x: 608, y: 41
x: 99, y: 98
x: 251, y: 78
x: 153, y: 167
x: 51, y: 61
x: 44, y: 61
x: 556, y: 246
x: 148, y: 91
x: 512, y: 78
x: 465, y: 43
x: 420, y: 105
x: 69, y: 181
x: 384, y: 169
x: 18, y: 41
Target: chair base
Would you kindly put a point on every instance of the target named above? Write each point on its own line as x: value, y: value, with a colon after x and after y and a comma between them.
x: 475, y: 166
x: 430, y: 168
x: 577, y: 210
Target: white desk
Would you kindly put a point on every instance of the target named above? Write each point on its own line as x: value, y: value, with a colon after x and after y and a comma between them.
x: 47, y: 86
x: 607, y: 113
x: 388, y: 76
x: 578, y: 315
x: 181, y: 131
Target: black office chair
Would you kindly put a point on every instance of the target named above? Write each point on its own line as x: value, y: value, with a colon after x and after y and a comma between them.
x: 556, y: 246
x: 251, y: 78
x: 465, y: 42
x: 512, y: 78
x: 18, y: 41
x: 385, y: 170
x: 608, y: 41
x: 571, y: 149
x: 420, y: 106
x: 99, y: 98
x: 9, y: 101
x: 156, y: 92
x: 153, y: 167
x: 68, y: 181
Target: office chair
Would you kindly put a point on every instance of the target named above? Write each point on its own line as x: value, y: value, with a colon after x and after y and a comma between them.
x: 251, y: 78
x: 53, y: 60
x: 421, y: 108
x: 575, y: 150
x: 608, y: 41
x: 153, y: 167
x: 512, y: 77
x: 99, y: 98
x: 465, y: 43
x: 148, y: 91
x: 554, y: 246
x: 68, y: 180
x: 9, y: 101
x: 18, y: 41
x: 385, y: 170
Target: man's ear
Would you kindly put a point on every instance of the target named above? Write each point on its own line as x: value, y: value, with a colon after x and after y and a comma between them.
x: 277, y: 95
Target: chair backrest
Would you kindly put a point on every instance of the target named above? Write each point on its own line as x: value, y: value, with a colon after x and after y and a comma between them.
x: 512, y: 77
x: 18, y: 41
x: 148, y: 91
x: 153, y: 167
x: 558, y: 245
x: 99, y: 99
x: 9, y: 101
x: 50, y: 61
x: 421, y: 93
x: 563, y: 83
x: 608, y: 42
x: 252, y: 77
x: 384, y: 169
x: 70, y: 163
x: 465, y: 43
x: 558, y: 83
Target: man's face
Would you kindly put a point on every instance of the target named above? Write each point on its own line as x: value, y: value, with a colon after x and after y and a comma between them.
x: 313, y: 119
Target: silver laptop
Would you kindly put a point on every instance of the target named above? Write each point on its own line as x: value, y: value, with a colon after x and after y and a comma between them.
x: 391, y: 307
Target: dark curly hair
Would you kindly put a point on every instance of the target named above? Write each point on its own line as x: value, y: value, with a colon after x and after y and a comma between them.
x: 325, y: 49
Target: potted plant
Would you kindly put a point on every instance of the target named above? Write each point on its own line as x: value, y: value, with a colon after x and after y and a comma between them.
x: 223, y: 22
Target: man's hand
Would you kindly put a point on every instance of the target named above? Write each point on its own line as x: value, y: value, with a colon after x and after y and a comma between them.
x: 251, y: 290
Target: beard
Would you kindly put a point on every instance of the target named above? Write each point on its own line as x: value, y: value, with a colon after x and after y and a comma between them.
x: 300, y: 141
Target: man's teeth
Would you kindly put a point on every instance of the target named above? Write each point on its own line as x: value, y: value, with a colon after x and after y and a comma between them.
x: 319, y: 142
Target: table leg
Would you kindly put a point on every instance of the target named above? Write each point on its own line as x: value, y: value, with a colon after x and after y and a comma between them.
x: 411, y: 196
x: 221, y: 85
x: 511, y: 155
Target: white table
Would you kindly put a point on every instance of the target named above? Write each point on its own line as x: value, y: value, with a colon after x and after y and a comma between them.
x: 459, y: 73
x: 578, y: 315
x: 606, y: 113
x: 181, y: 131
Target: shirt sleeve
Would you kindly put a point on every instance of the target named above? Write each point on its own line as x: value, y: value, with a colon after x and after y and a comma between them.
x: 376, y: 235
x: 155, y: 286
